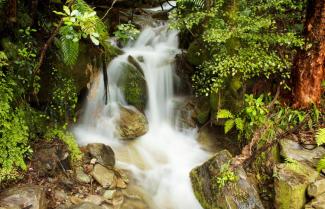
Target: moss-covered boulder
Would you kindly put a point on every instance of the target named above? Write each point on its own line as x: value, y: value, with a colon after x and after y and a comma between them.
x: 133, y: 84
x: 131, y: 124
x: 206, y: 182
x: 291, y: 182
x: 195, y: 54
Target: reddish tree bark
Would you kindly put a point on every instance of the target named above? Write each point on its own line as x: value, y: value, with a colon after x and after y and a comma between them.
x: 309, y: 66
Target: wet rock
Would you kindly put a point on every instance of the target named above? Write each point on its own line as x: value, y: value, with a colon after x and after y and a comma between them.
x: 81, y: 176
x: 46, y: 161
x: 109, y: 194
x: 86, y: 205
x: 316, y: 188
x: 133, y: 85
x: 293, y: 150
x: 132, y: 123
x: 105, y: 177
x: 317, y: 203
x: 103, y: 153
x: 291, y: 183
x: 195, y: 111
x: 95, y: 199
x: 239, y: 194
x: 32, y: 197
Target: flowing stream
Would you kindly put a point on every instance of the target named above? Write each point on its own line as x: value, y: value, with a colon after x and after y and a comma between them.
x: 161, y: 159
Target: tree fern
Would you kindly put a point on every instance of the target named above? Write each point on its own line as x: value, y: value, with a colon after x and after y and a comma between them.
x: 320, y: 136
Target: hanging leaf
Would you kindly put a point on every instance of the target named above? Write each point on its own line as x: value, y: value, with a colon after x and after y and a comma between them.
x: 229, y: 124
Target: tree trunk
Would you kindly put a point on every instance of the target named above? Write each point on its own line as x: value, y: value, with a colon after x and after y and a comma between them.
x: 309, y: 66
x: 12, y: 11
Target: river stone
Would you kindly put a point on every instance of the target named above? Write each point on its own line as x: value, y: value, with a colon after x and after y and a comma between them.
x: 316, y: 188
x: 132, y: 123
x: 293, y: 150
x: 240, y: 194
x: 32, y: 197
x: 86, y: 205
x: 291, y: 184
x: 103, y: 153
x: 105, y: 177
x: 133, y: 84
x: 81, y: 176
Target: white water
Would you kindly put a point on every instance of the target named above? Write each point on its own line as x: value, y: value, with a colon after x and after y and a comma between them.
x: 162, y: 159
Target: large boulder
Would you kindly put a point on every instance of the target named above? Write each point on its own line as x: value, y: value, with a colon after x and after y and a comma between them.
x: 293, y: 150
x: 131, y: 124
x: 317, y: 203
x: 291, y: 182
x: 239, y: 194
x: 133, y: 84
x: 104, y: 176
x: 32, y: 197
x: 103, y: 153
x: 316, y: 188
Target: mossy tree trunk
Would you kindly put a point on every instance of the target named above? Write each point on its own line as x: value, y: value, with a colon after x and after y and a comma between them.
x: 309, y: 67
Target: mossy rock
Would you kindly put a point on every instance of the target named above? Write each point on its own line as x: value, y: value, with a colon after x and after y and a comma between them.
x: 239, y: 194
x: 195, y: 54
x: 133, y: 86
x: 291, y: 182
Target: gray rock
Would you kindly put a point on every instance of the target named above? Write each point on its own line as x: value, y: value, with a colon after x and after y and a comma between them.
x: 239, y: 194
x: 86, y: 205
x: 291, y: 184
x: 103, y: 153
x: 32, y: 197
x: 316, y: 188
x: 293, y: 150
x: 132, y: 123
x: 81, y: 176
x: 109, y: 194
x: 105, y: 177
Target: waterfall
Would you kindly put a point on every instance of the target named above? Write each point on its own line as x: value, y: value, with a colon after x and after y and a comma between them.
x: 161, y: 159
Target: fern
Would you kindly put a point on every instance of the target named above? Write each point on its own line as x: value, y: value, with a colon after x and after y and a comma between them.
x: 229, y: 124
x: 239, y: 124
x: 320, y: 136
x: 70, y: 50
x: 321, y: 164
x: 224, y: 114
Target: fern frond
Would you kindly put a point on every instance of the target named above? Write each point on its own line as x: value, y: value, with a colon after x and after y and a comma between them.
x: 321, y: 164
x: 70, y: 50
x: 229, y: 124
x: 320, y: 136
x: 224, y: 114
x: 239, y: 124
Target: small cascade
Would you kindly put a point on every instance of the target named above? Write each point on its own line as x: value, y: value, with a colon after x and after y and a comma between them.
x: 160, y: 160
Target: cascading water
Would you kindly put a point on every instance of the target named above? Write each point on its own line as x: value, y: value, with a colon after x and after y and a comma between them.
x: 161, y: 159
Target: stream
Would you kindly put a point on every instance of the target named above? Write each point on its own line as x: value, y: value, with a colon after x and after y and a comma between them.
x: 160, y: 160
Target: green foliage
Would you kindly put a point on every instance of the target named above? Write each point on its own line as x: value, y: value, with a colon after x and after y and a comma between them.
x: 320, y: 136
x: 80, y: 21
x: 226, y: 175
x: 64, y: 98
x: 320, y: 140
x: 126, y: 32
x: 3, y: 59
x: 242, y: 38
x: 69, y: 140
x: 13, y: 133
x: 252, y: 116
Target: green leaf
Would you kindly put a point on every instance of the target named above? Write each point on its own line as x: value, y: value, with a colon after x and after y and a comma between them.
x: 70, y: 50
x: 66, y: 10
x: 223, y: 113
x: 59, y: 13
x: 229, y: 124
x: 94, y: 40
